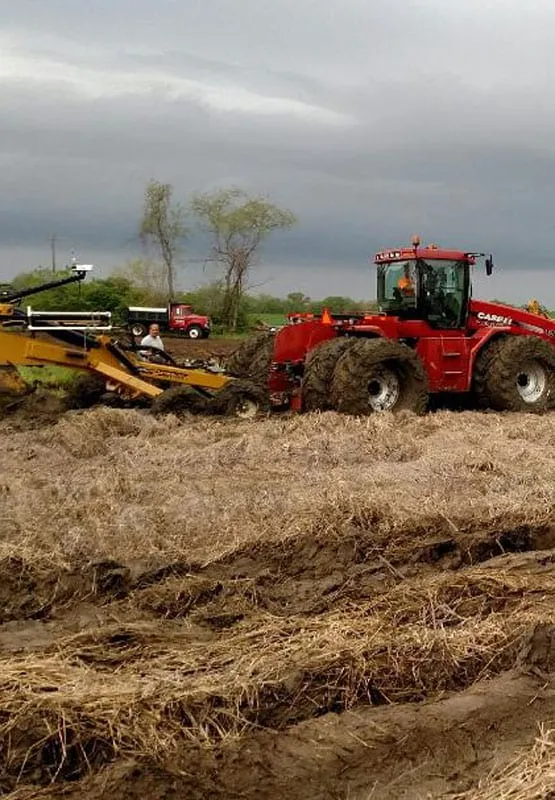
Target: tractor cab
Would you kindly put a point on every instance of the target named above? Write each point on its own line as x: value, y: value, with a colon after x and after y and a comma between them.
x: 426, y: 283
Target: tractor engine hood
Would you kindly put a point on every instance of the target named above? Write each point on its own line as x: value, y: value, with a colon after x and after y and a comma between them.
x: 497, y: 315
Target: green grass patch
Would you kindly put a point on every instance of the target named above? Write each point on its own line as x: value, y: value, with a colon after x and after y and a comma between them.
x: 227, y: 335
x: 53, y: 377
x: 269, y: 319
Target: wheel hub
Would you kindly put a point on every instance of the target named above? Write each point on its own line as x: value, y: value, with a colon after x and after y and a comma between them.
x: 383, y: 390
x: 246, y: 408
x: 531, y: 382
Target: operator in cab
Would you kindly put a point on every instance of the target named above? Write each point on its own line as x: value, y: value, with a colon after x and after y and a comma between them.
x: 405, y: 284
x: 152, y: 339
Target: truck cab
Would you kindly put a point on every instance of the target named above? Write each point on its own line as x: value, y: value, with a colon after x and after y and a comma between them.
x: 176, y: 318
x: 182, y: 319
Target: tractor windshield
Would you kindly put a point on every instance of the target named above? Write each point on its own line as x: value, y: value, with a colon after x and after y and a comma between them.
x: 434, y: 289
x: 444, y: 289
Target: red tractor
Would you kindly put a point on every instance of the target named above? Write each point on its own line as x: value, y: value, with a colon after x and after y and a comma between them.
x: 428, y: 338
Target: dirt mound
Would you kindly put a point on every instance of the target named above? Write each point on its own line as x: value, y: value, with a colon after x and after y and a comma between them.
x: 317, y: 607
x: 32, y: 411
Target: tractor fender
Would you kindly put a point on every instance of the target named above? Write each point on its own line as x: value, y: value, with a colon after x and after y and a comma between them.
x: 369, y: 332
x: 482, y: 338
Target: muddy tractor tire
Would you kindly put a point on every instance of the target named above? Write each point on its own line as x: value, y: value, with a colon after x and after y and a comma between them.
x: 241, y: 399
x: 516, y: 373
x: 179, y: 400
x: 379, y: 375
x: 252, y: 358
x: 84, y: 391
x: 318, y: 373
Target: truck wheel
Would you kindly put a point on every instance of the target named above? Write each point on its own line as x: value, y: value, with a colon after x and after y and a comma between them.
x: 252, y: 358
x: 379, y: 375
x: 138, y: 329
x: 517, y: 373
x: 194, y: 332
x: 318, y: 373
x: 241, y: 399
x: 179, y: 400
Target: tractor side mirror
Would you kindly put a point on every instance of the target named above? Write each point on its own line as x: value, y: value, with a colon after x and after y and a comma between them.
x: 489, y: 265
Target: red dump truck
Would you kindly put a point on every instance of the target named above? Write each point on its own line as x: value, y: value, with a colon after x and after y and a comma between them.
x: 175, y: 318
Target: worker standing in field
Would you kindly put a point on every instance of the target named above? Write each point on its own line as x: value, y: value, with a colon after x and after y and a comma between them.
x: 152, y: 339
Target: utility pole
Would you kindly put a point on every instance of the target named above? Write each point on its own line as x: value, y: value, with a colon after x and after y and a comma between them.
x: 53, y: 248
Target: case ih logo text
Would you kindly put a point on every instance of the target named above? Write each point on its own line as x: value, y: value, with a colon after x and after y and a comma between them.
x: 494, y: 319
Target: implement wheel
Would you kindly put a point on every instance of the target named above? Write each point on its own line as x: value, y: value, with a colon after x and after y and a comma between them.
x: 318, y: 373
x: 241, y: 399
x: 379, y: 375
x: 516, y: 373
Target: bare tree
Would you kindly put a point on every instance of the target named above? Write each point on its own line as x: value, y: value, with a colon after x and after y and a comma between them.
x: 163, y: 226
x: 147, y: 277
x: 238, y: 224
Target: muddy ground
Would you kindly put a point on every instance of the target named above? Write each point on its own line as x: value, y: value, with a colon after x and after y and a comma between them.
x: 181, y: 348
x: 319, y: 608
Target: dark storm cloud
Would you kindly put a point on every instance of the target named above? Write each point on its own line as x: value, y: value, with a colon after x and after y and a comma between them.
x: 369, y: 120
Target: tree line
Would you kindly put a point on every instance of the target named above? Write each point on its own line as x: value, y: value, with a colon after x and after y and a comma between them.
x: 137, y: 284
x: 235, y: 224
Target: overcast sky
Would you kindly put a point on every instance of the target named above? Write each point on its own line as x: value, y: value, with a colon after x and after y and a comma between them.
x: 370, y: 119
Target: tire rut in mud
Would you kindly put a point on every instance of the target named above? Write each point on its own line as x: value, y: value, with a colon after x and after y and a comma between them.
x: 301, y: 575
x: 282, y: 595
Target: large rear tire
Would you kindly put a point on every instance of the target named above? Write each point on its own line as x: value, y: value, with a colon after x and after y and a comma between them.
x: 318, y: 373
x: 379, y: 375
x: 252, y: 358
x: 516, y: 373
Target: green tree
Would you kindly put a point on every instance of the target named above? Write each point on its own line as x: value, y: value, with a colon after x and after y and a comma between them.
x: 264, y: 304
x: 113, y: 293
x: 163, y: 226
x: 338, y: 304
x: 210, y: 300
x: 297, y: 301
x: 238, y: 225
